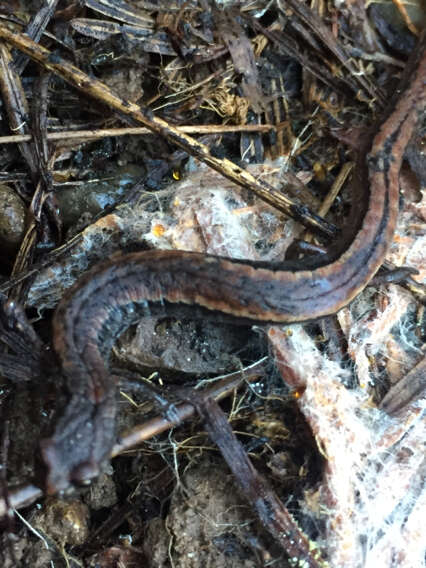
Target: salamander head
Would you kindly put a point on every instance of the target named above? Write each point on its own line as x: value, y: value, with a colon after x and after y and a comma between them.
x: 63, y: 473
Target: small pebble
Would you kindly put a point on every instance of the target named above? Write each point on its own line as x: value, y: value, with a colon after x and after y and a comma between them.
x: 12, y: 219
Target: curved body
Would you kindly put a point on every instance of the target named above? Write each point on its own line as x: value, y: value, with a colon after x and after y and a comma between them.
x: 111, y: 296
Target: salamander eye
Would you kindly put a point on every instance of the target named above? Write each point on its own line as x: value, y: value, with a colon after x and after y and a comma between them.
x: 85, y: 473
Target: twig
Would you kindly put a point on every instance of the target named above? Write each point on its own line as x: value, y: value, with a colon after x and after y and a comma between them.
x: 37, y: 266
x: 104, y: 132
x: 185, y: 410
x: 411, y: 388
x: 25, y: 495
x: 98, y: 90
x: 272, y: 513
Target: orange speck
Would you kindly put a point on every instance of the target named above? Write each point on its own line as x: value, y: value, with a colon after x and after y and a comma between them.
x: 158, y: 230
x: 320, y: 171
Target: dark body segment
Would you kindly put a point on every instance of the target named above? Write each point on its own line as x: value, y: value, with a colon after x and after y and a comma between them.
x: 114, y: 294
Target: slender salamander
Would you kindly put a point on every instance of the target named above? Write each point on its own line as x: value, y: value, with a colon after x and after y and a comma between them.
x: 110, y: 296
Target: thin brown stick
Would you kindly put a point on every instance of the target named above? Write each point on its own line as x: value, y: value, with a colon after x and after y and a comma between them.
x: 185, y: 410
x: 26, y: 494
x: 332, y: 194
x: 270, y: 510
x: 48, y: 259
x: 104, y: 132
x: 411, y: 388
x: 101, y: 92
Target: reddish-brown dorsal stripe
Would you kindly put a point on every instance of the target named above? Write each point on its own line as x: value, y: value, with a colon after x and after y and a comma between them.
x: 107, y: 298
